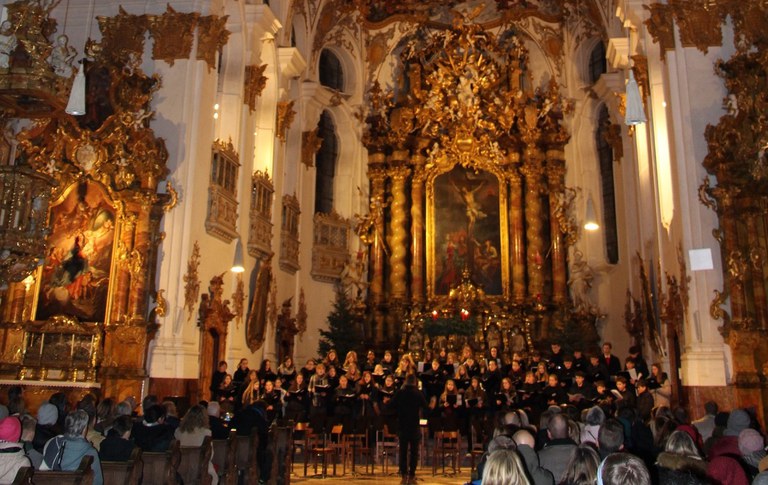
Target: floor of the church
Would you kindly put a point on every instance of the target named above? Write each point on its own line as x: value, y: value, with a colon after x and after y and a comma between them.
x: 423, y: 477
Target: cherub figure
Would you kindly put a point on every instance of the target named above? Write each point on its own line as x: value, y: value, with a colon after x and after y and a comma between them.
x: 62, y: 56
x: 8, y: 43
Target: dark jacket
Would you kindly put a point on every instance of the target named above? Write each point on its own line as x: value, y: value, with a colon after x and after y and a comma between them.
x: 115, y: 448
x: 152, y: 438
x: 408, y: 402
x: 540, y: 475
x: 555, y: 456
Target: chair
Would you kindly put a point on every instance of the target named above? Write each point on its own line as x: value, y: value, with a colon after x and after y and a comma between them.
x: 447, y: 446
x: 476, y: 450
x: 193, y: 466
x: 301, y: 434
x: 247, y: 456
x: 320, y: 451
x: 124, y: 472
x: 82, y: 476
x: 357, y: 445
x: 336, y: 442
x: 24, y: 476
x: 225, y: 458
x: 387, y: 445
x: 160, y: 468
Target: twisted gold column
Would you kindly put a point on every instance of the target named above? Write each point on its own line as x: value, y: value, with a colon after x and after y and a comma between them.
x: 556, y: 182
x: 517, y: 234
x: 533, y: 172
x: 119, y: 309
x: 398, y: 244
x: 377, y: 178
x: 417, y: 237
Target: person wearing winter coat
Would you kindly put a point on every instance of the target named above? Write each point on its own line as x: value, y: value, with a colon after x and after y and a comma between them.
x: 64, y: 452
x: 12, y: 456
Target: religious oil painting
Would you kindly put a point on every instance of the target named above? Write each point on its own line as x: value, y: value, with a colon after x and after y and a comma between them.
x: 466, y: 231
x: 75, y: 274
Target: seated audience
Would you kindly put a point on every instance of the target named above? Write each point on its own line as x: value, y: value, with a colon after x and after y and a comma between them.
x: 193, y: 430
x: 218, y: 430
x: 65, y: 452
x: 557, y: 451
x: 504, y: 467
x: 582, y: 466
x: 680, y: 454
x: 47, y: 425
x: 623, y: 469
x: 11, y: 449
x: 152, y: 434
x: 117, y: 446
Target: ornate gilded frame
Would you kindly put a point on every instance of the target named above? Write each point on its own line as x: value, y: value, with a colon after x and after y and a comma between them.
x: 443, y: 166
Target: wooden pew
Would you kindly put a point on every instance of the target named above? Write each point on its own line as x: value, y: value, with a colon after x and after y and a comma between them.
x: 225, y: 459
x: 193, y: 467
x: 280, y: 450
x: 82, y: 476
x: 247, y: 457
x: 161, y: 468
x: 124, y: 472
x: 24, y: 476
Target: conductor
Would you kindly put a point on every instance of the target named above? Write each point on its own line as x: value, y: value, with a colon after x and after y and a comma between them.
x: 409, y: 401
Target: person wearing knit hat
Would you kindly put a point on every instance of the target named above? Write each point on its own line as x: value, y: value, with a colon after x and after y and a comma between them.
x: 752, y: 447
x: 47, y: 425
x: 737, y: 421
x: 12, y: 451
x: 728, y: 444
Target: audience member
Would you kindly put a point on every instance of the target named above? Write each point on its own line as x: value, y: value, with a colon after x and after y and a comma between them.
x: 218, y: 430
x: 623, y: 469
x: 152, y: 434
x: 117, y: 446
x: 47, y: 426
x: 556, y: 452
x: 525, y: 448
x: 611, y: 437
x: 582, y: 466
x: 706, y: 424
x: 11, y: 449
x: 65, y: 452
x: 503, y: 468
x: 681, y: 454
x: 192, y: 431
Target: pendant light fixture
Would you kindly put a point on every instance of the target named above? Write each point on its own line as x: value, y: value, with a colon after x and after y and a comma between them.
x: 76, y: 104
x: 237, y: 264
x: 634, y: 114
x: 590, y: 221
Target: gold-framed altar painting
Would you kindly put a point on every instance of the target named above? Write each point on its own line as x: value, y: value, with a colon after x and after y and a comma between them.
x: 467, y: 230
x: 74, y: 278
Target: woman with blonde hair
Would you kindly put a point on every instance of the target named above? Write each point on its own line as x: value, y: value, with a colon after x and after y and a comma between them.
x: 680, y: 454
x: 192, y: 431
x: 582, y: 467
x: 252, y: 390
x: 504, y: 467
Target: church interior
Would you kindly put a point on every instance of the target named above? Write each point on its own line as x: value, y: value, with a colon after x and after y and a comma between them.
x: 497, y: 173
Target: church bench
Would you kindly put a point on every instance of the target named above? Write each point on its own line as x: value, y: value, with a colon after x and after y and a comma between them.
x: 247, y: 457
x: 82, y: 476
x: 225, y: 458
x: 193, y: 466
x: 160, y: 468
x: 24, y: 476
x: 124, y: 472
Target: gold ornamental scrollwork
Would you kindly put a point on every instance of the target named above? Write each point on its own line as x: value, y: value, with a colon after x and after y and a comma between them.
x: 192, y: 281
x: 255, y: 81
x: 310, y: 144
x: 717, y: 312
x: 238, y: 300
x: 162, y: 304
x: 173, y: 197
x: 285, y: 116
x: 173, y: 34
x: 212, y: 35
x: 661, y: 26
x: 122, y: 36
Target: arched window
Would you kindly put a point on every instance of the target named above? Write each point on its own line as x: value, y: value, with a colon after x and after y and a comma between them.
x: 597, y: 63
x: 331, y: 73
x: 325, y: 162
x: 605, y: 156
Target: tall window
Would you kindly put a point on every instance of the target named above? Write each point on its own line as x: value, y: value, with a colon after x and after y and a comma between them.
x: 331, y: 73
x: 326, y: 164
x: 597, y: 63
x: 605, y: 155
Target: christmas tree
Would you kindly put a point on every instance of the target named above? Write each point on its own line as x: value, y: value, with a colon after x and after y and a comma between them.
x: 344, y: 332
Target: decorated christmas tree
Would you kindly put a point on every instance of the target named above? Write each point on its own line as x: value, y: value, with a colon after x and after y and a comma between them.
x: 344, y: 332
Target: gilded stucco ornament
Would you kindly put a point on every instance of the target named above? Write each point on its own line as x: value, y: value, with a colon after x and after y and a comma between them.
x: 310, y: 144
x: 212, y: 35
x: 255, y: 81
x: 285, y: 116
x: 173, y: 34
x: 192, y: 281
